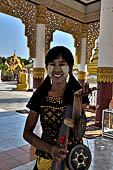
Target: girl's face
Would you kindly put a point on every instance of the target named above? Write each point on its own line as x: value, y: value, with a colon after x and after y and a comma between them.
x: 58, y: 70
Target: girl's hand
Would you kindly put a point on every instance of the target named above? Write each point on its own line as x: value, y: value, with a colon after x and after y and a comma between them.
x: 84, y: 90
x: 58, y: 153
x: 78, y: 93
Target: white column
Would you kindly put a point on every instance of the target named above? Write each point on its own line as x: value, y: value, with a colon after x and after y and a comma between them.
x: 105, y: 59
x: 0, y: 76
x: 31, y: 80
x: 106, y: 34
x: 82, y: 66
x: 39, y: 61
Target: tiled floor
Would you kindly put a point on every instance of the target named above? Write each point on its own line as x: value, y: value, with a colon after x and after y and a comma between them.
x: 14, y: 150
x: 16, y: 157
x: 17, y: 154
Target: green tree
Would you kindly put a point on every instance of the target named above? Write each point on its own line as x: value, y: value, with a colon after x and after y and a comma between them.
x: 3, y: 67
x: 3, y: 60
x: 0, y: 60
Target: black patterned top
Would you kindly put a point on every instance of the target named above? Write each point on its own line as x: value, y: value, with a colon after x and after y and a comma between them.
x: 51, y: 110
x: 51, y: 115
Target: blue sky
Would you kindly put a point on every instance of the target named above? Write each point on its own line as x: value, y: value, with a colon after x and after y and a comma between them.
x: 65, y: 39
x: 12, y: 37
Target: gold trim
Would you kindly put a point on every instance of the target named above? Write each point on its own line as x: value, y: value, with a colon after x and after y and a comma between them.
x: 93, y: 34
x: 38, y: 73
x: 84, y: 35
x: 62, y: 23
x: 41, y: 15
x: 7, y: 4
x: 84, y: 30
x: 105, y: 74
x: 82, y: 75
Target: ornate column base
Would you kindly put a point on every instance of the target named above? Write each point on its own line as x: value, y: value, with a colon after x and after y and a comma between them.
x: 82, y: 77
x: 104, y: 94
x: 22, y: 85
x: 38, y: 76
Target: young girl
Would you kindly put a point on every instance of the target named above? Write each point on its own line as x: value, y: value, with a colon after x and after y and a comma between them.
x: 50, y: 101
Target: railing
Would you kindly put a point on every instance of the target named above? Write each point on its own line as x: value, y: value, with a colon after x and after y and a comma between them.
x: 93, y: 98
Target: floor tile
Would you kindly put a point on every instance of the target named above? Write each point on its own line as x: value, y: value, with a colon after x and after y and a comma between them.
x: 25, y: 158
x: 4, y: 156
x: 27, y: 166
x: 27, y: 147
x: 15, y: 152
x: 10, y: 163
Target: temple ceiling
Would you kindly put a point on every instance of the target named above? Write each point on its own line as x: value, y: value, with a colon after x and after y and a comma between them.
x: 65, y: 15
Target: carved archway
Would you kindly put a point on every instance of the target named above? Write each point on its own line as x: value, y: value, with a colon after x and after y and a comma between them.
x: 61, y: 23
x: 25, y: 11
x: 93, y: 34
x: 61, y: 38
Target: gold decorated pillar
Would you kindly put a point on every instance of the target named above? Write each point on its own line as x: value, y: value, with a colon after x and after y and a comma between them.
x: 82, y: 67
x: 39, y: 61
x: 104, y: 94
x: 22, y: 85
x: 38, y: 76
x: 82, y: 77
x: 105, y: 60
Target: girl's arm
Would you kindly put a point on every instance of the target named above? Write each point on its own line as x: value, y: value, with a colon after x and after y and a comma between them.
x: 36, y: 141
x: 32, y: 138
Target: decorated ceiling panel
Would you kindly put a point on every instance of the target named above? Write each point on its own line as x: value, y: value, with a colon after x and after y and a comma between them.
x: 87, y: 1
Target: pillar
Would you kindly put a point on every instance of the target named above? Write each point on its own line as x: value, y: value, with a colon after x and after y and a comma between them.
x: 22, y: 85
x: 0, y: 75
x: 82, y: 67
x: 30, y: 80
x: 39, y: 61
x: 105, y: 60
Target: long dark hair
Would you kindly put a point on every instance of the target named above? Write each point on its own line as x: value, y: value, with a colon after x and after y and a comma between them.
x: 72, y: 86
x: 53, y: 54
x: 58, y: 51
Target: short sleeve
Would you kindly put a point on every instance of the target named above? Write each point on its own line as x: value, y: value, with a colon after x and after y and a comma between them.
x: 34, y: 102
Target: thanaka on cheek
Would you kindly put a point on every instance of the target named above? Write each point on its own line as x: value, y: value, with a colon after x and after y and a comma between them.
x: 65, y: 70
x: 50, y: 70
